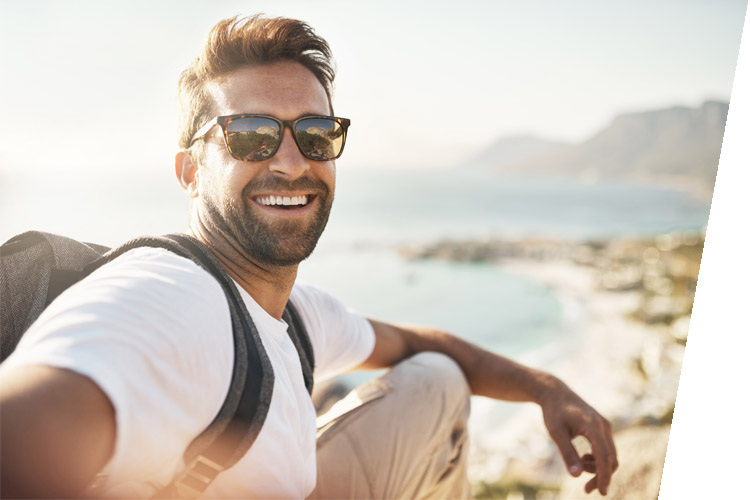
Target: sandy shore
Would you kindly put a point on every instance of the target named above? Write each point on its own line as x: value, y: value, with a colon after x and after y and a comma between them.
x: 626, y: 369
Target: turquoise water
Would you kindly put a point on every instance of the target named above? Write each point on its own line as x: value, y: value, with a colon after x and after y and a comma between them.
x: 373, y: 211
x: 501, y: 311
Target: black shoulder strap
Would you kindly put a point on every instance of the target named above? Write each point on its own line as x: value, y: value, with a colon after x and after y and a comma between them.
x: 238, y: 422
x: 241, y: 417
x: 301, y: 341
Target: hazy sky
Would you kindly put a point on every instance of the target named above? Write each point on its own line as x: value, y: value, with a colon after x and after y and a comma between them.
x: 91, y: 84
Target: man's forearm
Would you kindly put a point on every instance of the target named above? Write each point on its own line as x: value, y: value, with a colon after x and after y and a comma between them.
x: 488, y: 374
x: 58, y: 430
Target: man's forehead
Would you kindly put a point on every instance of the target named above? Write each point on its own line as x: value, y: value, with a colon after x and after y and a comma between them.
x: 283, y: 87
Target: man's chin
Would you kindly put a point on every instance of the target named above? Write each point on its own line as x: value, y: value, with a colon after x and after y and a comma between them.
x: 280, y: 244
x: 281, y: 254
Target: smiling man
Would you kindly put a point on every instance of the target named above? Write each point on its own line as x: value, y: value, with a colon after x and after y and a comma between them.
x: 126, y: 368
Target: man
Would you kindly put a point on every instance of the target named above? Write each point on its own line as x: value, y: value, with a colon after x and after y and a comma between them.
x: 125, y: 368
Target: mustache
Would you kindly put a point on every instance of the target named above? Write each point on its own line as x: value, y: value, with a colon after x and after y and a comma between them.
x: 275, y: 183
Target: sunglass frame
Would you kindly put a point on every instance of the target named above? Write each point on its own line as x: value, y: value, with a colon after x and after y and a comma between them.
x: 225, y: 120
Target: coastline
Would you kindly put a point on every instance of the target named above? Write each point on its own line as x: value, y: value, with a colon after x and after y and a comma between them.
x: 622, y: 342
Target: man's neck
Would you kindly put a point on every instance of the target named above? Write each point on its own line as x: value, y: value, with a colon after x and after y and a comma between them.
x: 269, y: 286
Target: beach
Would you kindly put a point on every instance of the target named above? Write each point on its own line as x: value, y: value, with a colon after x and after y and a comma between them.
x: 625, y: 327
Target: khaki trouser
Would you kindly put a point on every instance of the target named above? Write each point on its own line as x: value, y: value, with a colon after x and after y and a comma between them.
x: 402, y: 435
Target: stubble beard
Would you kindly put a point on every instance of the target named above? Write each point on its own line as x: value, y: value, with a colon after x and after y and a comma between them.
x: 281, y: 244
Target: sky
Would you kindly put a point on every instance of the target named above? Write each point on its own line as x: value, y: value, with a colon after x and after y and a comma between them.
x: 90, y: 84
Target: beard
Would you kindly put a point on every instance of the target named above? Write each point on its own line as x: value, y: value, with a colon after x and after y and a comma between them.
x: 282, y: 242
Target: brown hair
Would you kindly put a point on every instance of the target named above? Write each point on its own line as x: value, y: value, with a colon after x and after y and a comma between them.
x: 238, y: 42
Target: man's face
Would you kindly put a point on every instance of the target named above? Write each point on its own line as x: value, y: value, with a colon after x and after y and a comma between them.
x: 240, y: 198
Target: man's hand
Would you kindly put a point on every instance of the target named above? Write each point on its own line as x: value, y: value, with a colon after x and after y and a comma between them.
x: 566, y: 416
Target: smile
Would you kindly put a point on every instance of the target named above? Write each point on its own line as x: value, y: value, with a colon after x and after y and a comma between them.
x: 286, y: 201
x: 286, y: 205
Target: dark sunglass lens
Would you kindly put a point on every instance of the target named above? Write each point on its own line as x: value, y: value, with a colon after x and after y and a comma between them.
x: 252, y: 138
x: 320, y: 138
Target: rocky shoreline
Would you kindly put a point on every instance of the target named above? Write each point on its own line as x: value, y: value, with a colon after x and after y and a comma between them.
x: 637, y: 295
x: 663, y: 269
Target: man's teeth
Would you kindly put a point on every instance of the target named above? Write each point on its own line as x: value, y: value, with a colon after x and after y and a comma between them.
x: 283, y: 200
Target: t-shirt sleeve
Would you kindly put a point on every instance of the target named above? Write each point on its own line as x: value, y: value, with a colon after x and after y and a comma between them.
x: 341, y: 337
x: 153, y: 331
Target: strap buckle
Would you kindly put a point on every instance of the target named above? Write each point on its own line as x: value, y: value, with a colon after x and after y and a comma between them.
x: 197, y: 477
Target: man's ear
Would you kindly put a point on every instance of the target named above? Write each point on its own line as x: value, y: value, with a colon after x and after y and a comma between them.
x: 187, y: 173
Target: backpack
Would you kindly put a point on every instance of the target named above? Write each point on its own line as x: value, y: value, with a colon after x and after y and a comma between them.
x: 35, y: 267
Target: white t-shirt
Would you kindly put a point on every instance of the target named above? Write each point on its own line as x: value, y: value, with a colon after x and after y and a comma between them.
x: 153, y: 331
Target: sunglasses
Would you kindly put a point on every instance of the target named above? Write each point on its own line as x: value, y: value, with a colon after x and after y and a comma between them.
x: 251, y: 137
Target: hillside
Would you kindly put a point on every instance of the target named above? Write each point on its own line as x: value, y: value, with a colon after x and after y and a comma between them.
x: 677, y: 146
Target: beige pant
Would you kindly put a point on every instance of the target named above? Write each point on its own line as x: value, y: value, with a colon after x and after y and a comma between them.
x: 402, y: 435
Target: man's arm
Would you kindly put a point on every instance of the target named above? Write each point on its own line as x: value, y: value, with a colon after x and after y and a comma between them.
x: 565, y: 414
x: 57, y: 431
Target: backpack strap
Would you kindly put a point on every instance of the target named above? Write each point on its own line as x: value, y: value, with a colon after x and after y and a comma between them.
x: 226, y: 440
x: 215, y: 450
x: 241, y: 416
x: 301, y: 341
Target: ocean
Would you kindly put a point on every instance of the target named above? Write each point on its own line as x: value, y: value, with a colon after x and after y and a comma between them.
x: 375, y: 211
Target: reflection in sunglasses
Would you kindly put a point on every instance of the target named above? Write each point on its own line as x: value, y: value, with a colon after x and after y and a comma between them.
x: 257, y: 137
x: 253, y: 138
x: 252, y: 145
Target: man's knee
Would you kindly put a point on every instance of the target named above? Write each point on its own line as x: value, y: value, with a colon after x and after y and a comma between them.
x: 408, y: 442
x: 432, y: 374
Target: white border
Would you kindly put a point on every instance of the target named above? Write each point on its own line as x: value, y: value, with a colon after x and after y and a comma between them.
x: 710, y: 440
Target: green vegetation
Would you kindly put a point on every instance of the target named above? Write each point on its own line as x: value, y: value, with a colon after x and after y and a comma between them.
x: 252, y: 144
x: 504, y: 487
x: 315, y: 143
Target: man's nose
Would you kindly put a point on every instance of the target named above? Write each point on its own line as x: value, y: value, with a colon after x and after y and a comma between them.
x: 288, y: 160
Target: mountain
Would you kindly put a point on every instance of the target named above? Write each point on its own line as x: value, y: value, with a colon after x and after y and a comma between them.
x: 677, y: 146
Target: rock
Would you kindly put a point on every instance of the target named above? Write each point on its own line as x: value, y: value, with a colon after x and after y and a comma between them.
x: 640, y: 452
